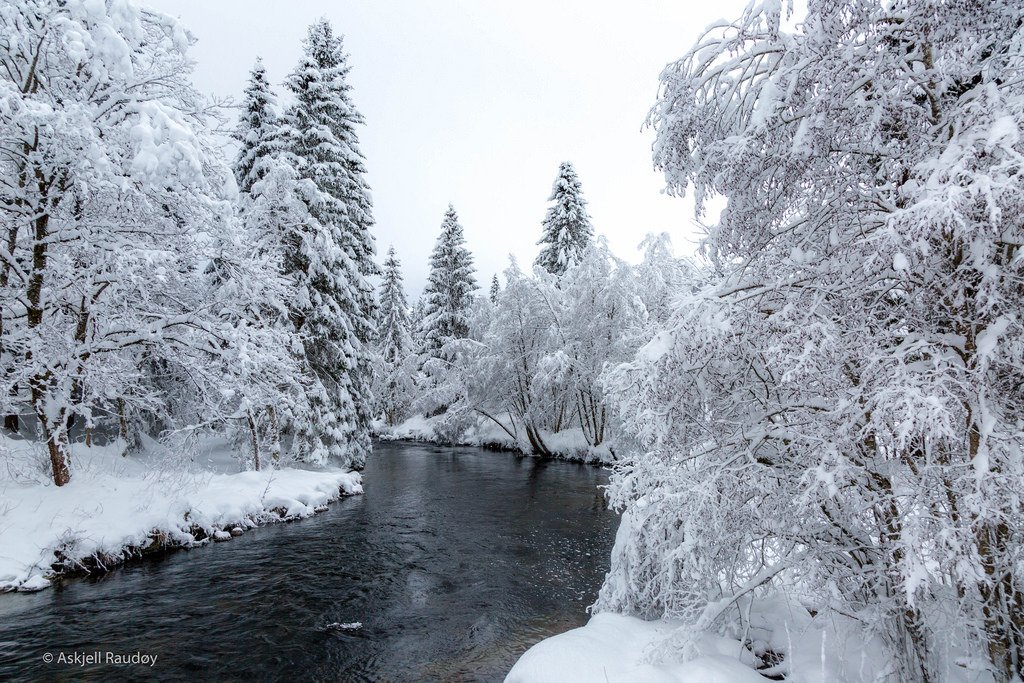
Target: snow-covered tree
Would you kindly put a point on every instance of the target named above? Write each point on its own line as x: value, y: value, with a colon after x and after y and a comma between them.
x: 495, y: 289
x: 394, y: 344
x: 335, y: 307
x: 108, y: 186
x: 258, y: 129
x: 505, y: 379
x: 259, y: 296
x: 597, y: 310
x: 532, y: 363
x: 393, y: 326
x: 264, y: 382
x: 838, y: 411
x: 449, y: 290
x: 567, y: 230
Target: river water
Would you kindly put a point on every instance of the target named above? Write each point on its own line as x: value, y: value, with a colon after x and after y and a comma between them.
x: 455, y: 561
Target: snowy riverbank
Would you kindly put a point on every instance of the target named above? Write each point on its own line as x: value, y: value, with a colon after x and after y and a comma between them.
x: 568, y: 444
x: 785, y: 641
x: 774, y: 636
x: 118, y: 507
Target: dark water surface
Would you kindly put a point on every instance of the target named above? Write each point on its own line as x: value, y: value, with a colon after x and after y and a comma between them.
x: 455, y: 560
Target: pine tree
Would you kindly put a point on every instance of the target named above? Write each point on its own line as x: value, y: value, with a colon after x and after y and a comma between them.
x: 567, y: 229
x: 495, y: 289
x: 257, y: 131
x: 449, y: 287
x: 335, y: 308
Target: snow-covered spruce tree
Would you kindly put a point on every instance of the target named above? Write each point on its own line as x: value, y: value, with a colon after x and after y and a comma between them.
x: 394, y: 378
x: 416, y: 316
x: 393, y: 312
x: 567, y: 230
x: 839, y: 413
x: 258, y: 129
x: 271, y: 382
x: 495, y: 289
x: 449, y: 289
x: 446, y: 299
x: 106, y: 181
x: 335, y: 307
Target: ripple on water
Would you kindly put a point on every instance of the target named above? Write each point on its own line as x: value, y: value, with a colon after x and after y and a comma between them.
x: 455, y: 561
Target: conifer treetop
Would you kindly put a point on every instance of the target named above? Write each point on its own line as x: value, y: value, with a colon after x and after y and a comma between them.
x: 450, y: 285
x: 257, y: 130
x: 567, y: 230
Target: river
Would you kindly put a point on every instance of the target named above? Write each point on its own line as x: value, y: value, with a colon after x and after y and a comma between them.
x: 455, y: 561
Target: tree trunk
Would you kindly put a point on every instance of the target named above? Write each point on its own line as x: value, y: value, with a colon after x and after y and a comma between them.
x: 56, y: 438
x: 275, y: 436
x: 911, y: 635
x: 255, y: 437
x: 536, y: 442
x: 122, y: 421
x: 1001, y: 603
x: 58, y: 462
x: 54, y: 434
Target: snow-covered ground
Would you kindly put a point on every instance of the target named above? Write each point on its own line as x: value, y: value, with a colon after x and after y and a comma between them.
x: 611, y: 648
x: 115, y: 506
x: 623, y: 649
x: 783, y: 640
x: 568, y: 443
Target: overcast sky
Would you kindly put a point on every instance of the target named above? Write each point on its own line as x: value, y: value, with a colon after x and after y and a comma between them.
x: 476, y: 103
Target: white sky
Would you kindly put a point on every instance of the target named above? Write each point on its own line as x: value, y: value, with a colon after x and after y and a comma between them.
x: 476, y: 103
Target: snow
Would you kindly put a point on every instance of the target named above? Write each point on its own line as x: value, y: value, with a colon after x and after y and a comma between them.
x: 569, y: 444
x: 656, y: 348
x: 114, y: 503
x: 614, y: 647
x: 989, y: 337
x: 611, y: 648
x: 899, y: 263
x: 1003, y: 132
x: 416, y: 428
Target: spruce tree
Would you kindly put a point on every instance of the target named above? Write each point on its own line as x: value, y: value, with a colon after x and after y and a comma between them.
x: 257, y: 131
x: 567, y: 230
x: 416, y: 326
x: 495, y: 289
x: 393, y: 336
x: 335, y: 308
x: 394, y: 381
x: 449, y: 290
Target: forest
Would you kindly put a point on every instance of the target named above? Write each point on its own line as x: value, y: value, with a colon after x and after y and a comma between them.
x: 816, y: 419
